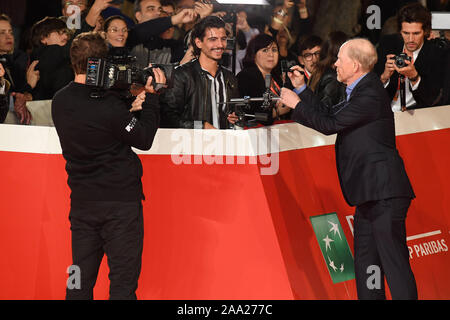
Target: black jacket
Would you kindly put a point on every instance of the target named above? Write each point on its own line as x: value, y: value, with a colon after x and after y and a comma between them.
x: 96, y: 137
x: 251, y: 83
x: 329, y: 90
x: 368, y: 163
x: 55, y: 70
x: 430, y: 64
x: 190, y: 98
x: 17, y: 64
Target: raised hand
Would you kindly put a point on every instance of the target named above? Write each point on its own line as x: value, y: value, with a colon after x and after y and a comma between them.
x: 184, y: 16
x: 32, y: 74
x: 203, y: 9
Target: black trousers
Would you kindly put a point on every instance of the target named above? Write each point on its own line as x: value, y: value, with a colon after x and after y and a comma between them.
x: 107, y: 227
x: 380, y: 245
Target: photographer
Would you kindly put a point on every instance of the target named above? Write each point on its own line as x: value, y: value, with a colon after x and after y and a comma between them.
x: 104, y: 174
x: 423, y: 69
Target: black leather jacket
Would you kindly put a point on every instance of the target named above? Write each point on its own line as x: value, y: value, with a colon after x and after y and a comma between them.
x: 329, y: 90
x: 189, y: 100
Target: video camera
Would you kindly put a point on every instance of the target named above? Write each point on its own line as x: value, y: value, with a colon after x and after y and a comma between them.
x: 118, y: 71
x: 245, y: 111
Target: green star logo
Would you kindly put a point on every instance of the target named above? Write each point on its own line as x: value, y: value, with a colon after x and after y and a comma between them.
x: 334, y: 246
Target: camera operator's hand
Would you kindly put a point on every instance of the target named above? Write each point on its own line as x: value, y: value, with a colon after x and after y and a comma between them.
x: 184, y: 16
x: 409, y: 71
x: 160, y: 81
x: 289, y: 98
x: 203, y: 9
x: 232, y: 118
x: 389, y: 68
x: 296, y: 74
x: 137, y: 103
x: 32, y: 74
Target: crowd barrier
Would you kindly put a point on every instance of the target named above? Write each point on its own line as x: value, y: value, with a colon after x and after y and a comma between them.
x: 227, y: 215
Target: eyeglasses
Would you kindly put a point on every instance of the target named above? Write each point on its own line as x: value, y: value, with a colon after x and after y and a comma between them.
x: 309, y: 56
x: 115, y: 30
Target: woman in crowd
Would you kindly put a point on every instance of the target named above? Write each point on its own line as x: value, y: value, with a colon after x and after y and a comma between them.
x: 324, y: 79
x: 260, y: 60
x: 116, y: 31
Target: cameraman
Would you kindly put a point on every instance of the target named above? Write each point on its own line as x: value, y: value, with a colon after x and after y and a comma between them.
x: 104, y: 174
x: 424, y: 73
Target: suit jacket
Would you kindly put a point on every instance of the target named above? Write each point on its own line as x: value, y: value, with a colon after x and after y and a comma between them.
x: 368, y: 163
x: 430, y: 64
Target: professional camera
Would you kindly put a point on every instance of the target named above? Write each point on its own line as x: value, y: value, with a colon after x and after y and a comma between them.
x: 118, y: 71
x: 400, y: 60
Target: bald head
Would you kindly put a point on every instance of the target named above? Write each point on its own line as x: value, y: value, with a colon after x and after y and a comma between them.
x: 356, y: 58
x: 363, y: 52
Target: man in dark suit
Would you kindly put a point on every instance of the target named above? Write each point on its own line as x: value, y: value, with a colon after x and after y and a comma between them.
x: 370, y: 169
x: 425, y: 72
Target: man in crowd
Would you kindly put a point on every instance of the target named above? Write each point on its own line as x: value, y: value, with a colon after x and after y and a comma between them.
x: 424, y: 72
x: 309, y: 53
x: 104, y: 174
x: 370, y: 169
x: 201, y: 85
x: 163, y: 49
x: 158, y: 49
